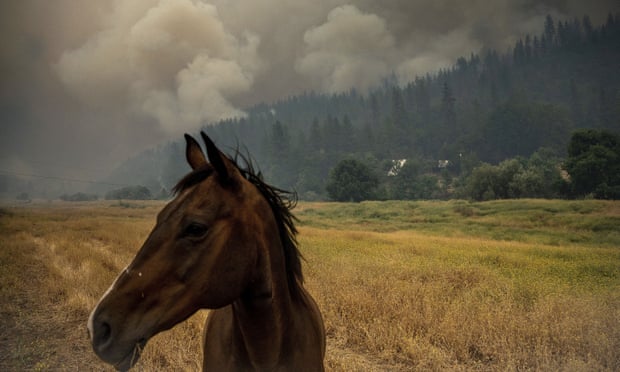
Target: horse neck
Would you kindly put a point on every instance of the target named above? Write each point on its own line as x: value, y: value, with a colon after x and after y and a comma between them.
x: 263, y: 316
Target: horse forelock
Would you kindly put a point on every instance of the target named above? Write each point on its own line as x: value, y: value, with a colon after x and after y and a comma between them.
x: 194, y: 177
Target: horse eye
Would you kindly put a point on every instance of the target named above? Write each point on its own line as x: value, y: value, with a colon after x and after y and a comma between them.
x: 195, y: 230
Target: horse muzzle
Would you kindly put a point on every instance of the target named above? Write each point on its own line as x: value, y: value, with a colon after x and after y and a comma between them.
x: 120, y: 351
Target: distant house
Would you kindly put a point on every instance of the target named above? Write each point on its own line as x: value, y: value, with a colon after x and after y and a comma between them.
x: 441, y: 164
x: 397, y: 165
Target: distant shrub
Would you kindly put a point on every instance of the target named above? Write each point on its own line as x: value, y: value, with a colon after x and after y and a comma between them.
x: 464, y: 211
x: 80, y: 196
x: 130, y: 193
x: 310, y: 196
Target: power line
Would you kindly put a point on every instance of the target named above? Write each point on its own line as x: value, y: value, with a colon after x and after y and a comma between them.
x: 62, y: 178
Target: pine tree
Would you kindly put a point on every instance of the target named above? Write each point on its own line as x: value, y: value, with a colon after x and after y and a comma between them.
x: 280, y: 140
x: 549, y: 30
x: 536, y: 47
x: 588, y: 29
x: 423, y: 97
x: 575, y: 104
x: 316, y: 137
x: 448, y: 107
x: 399, y: 115
x: 375, y: 113
x: 528, y: 48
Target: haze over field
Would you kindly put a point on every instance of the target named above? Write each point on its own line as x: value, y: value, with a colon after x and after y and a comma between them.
x: 86, y: 86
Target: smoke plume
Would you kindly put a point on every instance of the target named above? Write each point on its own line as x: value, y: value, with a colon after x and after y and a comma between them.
x: 351, y: 49
x: 172, y: 60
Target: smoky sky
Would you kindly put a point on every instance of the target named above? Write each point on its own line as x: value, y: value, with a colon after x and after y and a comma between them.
x: 86, y: 84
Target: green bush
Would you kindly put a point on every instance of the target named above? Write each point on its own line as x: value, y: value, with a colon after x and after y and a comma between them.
x: 352, y: 180
x: 594, y: 164
x: 536, y: 177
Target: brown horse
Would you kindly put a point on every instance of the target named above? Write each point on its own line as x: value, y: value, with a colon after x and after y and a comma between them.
x: 225, y: 242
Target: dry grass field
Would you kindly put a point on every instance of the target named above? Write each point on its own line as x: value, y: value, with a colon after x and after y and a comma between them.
x: 510, y: 285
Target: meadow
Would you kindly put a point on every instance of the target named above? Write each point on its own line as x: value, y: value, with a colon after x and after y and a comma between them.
x: 450, y: 285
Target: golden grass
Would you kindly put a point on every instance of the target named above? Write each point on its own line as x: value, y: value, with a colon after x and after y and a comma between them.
x: 410, y: 298
x: 435, y: 303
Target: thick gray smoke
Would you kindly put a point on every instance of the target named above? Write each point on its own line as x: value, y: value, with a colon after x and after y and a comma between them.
x: 171, y: 60
x: 351, y: 49
x: 94, y: 82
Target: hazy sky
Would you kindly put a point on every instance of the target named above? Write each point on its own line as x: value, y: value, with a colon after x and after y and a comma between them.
x: 85, y: 84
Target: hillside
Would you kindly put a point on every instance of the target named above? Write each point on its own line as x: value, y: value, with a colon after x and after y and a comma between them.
x: 488, y: 107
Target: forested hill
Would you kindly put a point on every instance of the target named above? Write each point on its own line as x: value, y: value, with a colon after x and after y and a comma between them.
x: 488, y: 107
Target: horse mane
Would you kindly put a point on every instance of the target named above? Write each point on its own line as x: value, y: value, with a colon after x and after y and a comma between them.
x: 281, y: 203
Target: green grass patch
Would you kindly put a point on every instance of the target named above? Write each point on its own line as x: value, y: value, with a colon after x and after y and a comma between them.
x: 548, y: 222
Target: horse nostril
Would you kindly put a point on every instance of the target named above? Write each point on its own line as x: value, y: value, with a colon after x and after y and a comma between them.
x: 102, y: 333
x: 106, y: 331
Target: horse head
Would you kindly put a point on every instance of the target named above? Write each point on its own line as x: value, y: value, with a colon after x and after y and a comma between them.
x: 202, y: 253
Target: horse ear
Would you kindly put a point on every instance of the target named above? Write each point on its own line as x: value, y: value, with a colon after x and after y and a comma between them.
x: 193, y: 153
x: 217, y: 159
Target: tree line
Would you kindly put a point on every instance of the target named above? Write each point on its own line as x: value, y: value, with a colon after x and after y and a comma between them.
x: 591, y: 169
